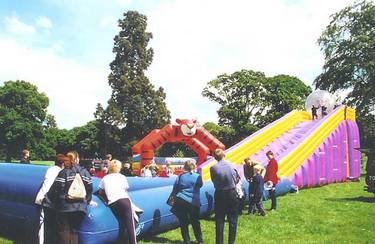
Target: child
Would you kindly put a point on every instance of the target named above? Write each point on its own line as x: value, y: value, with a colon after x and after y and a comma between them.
x: 258, y: 188
x: 314, y: 112
x: 324, y: 111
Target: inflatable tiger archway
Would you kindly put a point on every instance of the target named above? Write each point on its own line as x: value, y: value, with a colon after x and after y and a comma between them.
x: 188, y: 131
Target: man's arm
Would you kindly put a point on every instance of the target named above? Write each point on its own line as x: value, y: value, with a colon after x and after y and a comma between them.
x: 86, y: 177
x: 199, y: 181
x: 212, y: 174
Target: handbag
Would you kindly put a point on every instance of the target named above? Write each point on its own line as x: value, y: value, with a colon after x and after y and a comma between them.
x: 238, y: 186
x: 172, y: 197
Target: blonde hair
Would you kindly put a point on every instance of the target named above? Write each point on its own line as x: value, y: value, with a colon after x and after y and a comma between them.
x: 114, y: 166
x: 257, y: 168
x: 189, y: 166
x: 73, y: 156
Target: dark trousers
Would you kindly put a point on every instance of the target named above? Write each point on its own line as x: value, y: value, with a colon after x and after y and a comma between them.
x: 67, y: 225
x: 122, y: 209
x: 226, y: 204
x: 50, y: 228
x: 257, y: 204
x: 272, y: 193
x: 251, y: 198
x: 251, y: 204
x: 188, y: 213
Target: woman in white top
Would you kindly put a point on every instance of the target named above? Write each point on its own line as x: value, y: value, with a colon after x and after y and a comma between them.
x: 47, y: 232
x: 115, y: 186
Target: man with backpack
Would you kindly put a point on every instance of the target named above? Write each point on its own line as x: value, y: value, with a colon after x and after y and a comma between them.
x: 71, y: 193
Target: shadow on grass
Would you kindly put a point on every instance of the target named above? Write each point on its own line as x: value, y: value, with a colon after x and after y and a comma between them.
x: 353, y: 199
x: 157, y: 239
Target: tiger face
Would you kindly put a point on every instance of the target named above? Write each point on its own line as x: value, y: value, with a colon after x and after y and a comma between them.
x: 188, y: 126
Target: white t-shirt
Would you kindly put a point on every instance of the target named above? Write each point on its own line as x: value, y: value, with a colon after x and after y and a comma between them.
x: 146, y: 173
x: 49, y: 178
x: 115, y: 186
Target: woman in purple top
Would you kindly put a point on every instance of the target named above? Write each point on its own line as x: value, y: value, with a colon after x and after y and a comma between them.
x: 187, y: 203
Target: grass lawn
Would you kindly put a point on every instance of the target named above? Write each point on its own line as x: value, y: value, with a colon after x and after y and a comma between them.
x: 48, y: 163
x: 337, y: 213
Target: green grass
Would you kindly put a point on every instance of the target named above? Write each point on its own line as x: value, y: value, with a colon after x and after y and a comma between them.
x: 48, y: 163
x: 337, y: 213
x: 38, y: 162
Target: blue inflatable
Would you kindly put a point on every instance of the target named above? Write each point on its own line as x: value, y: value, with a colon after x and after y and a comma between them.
x: 19, y: 216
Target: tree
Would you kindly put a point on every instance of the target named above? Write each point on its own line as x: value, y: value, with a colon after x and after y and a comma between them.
x: 348, y: 43
x: 284, y: 93
x: 23, y: 111
x: 108, y: 123
x: 175, y: 149
x: 241, y: 98
x: 141, y: 106
x: 86, y: 139
x: 249, y: 100
x: 45, y: 148
x: 225, y: 134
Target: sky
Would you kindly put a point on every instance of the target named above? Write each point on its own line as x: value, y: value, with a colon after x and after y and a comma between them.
x: 65, y: 47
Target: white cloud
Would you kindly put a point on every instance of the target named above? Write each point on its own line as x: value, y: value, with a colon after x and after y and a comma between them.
x: 124, y: 2
x: 14, y: 25
x: 44, y: 22
x: 73, y: 89
x: 108, y: 21
x: 194, y: 41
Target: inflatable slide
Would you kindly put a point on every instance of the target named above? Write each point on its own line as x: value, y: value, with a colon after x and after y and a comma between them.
x: 310, y: 153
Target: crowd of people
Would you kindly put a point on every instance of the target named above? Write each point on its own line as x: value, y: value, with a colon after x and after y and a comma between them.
x: 67, y: 191
x: 227, y: 198
x: 64, y: 204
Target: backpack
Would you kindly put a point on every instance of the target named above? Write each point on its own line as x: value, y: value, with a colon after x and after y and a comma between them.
x: 77, y: 190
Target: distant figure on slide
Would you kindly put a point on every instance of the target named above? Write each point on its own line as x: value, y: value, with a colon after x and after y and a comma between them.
x: 25, y: 157
x: 314, y: 112
x: 271, y: 175
x: 324, y: 111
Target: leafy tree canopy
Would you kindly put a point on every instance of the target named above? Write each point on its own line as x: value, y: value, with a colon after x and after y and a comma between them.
x: 141, y: 106
x: 23, y: 110
x: 249, y: 100
x: 348, y: 43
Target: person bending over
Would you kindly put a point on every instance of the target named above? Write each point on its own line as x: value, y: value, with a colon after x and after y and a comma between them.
x: 115, y: 186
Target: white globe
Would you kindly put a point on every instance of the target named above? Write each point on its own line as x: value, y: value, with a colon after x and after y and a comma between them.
x: 320, y: 98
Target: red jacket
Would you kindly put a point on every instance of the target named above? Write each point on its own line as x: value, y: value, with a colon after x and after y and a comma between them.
x: 271, y: 172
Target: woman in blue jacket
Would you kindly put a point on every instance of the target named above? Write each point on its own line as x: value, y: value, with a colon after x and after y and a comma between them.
x: 187, y: 204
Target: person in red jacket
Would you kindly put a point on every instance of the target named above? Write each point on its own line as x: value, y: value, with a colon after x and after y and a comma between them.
x: 271, y: 175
